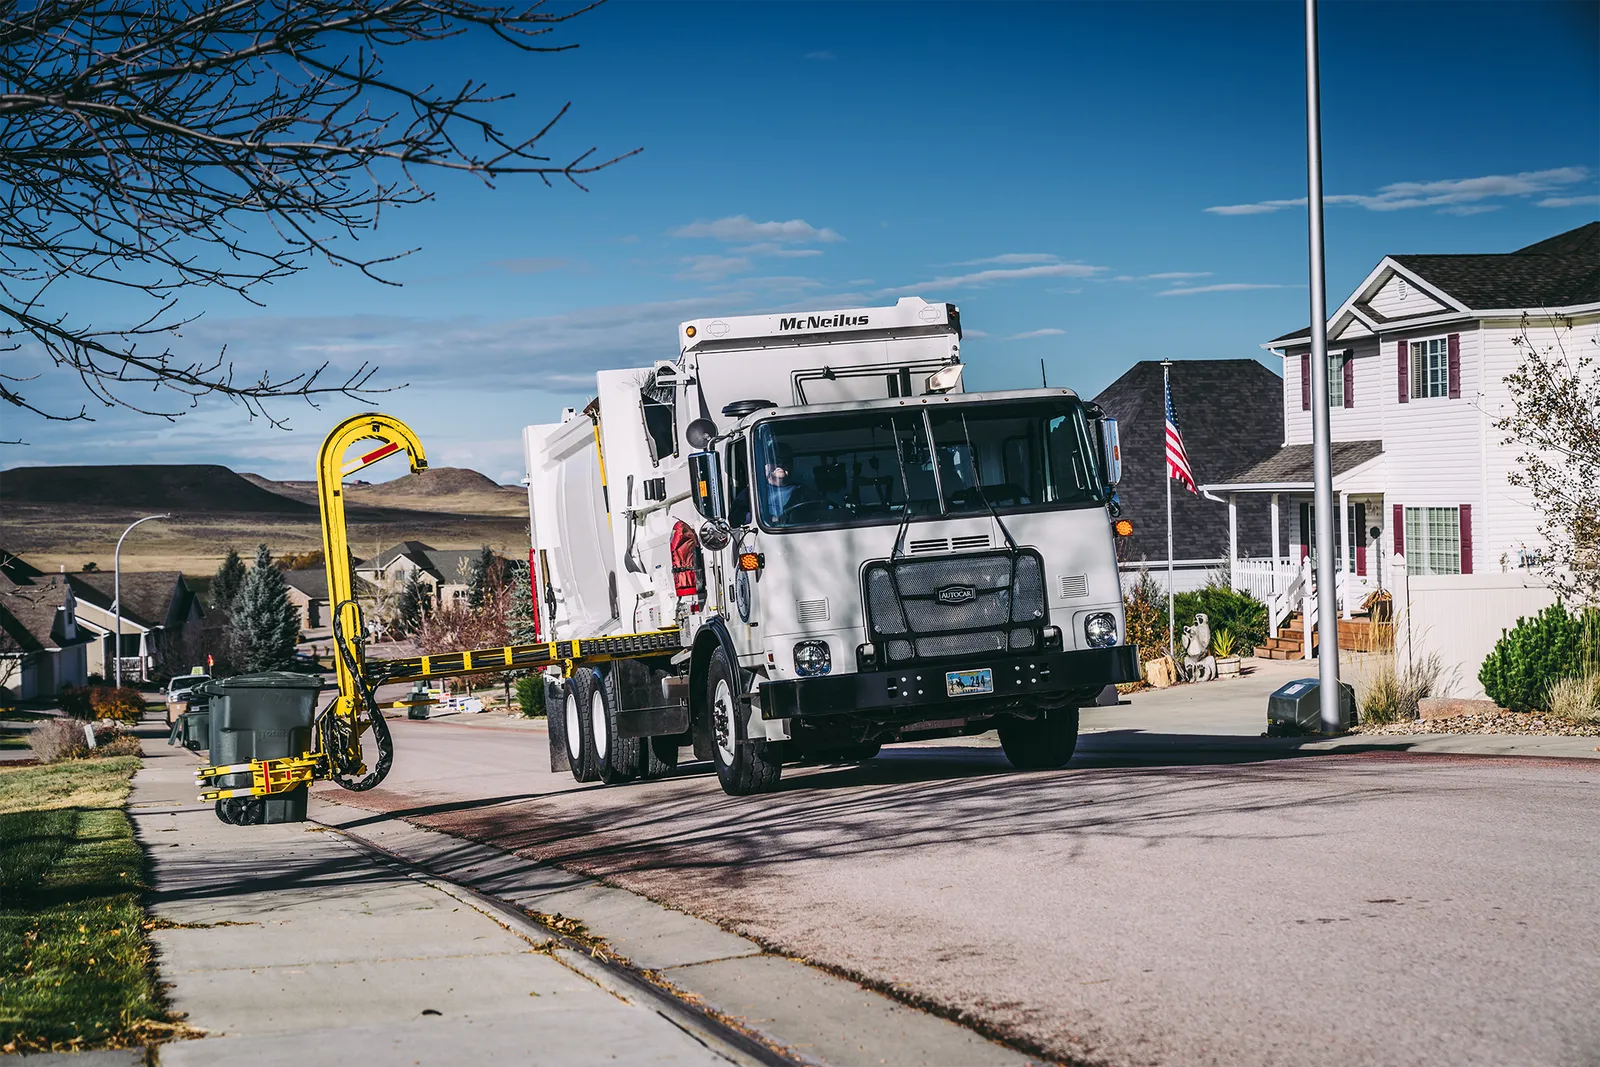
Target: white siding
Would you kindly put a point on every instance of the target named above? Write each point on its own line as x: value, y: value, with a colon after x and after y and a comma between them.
x: 1353, y: 329
x: 1364, y: 420
x: 1459, y: 619
x: 1512, y: 521
x: 1399, y: 298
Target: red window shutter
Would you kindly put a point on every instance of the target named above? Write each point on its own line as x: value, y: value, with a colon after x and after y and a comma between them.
x: 1399, y: 530
x: 1455, y: 366
x: 1305, y: 381
x: 1305, y: 530
x: 1466, y: 521
x: 1404, y: 363
x: 1349, y: 381
x: 1361, y: 539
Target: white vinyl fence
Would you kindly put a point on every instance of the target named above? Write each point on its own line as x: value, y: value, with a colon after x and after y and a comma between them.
x: 1460, y: 617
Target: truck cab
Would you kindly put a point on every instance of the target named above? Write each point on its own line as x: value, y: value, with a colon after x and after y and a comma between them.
x: 853, y: 550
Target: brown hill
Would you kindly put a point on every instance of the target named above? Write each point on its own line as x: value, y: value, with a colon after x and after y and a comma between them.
x: 438, y: 481
x: 441, y: 489
x: 177, y: 487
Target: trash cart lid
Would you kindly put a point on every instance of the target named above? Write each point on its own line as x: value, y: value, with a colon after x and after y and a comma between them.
x: 269, y: 680
x: 1296, y: 687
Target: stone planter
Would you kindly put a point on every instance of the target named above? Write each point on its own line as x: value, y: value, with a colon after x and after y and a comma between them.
x: 1227, y: 666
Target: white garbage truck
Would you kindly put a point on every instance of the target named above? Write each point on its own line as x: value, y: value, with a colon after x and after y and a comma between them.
x: 804, y: 540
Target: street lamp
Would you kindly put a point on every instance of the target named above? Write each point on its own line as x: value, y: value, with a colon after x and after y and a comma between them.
x: 116, y: 585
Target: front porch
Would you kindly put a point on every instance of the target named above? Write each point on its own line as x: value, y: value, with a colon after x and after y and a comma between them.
x: 1285, y: 580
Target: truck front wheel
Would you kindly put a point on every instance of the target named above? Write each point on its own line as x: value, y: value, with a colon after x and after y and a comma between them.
x: 743, y: 766
x: 1041, y: 744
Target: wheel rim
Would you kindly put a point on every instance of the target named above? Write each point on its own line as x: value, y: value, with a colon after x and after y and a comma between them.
x: 722, y: 716
x: 599, y: 727
x: 574, y: 739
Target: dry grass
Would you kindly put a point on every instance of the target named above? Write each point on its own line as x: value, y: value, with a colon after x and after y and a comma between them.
x: 1386, y: 694
x: 1577, y: 699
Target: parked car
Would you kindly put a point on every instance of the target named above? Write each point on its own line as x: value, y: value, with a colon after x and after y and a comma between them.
x: 179, y: 694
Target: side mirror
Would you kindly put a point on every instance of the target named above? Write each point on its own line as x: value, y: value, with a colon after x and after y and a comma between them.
x: 1110, y: 452
x: 705, y: 484
x: 699, y: 433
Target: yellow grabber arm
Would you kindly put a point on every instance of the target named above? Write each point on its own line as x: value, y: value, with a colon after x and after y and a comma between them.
x: 380, y: 436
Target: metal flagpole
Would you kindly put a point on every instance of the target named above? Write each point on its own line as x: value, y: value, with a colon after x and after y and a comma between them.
x: 1172, y: 611
x: 1321, y: 445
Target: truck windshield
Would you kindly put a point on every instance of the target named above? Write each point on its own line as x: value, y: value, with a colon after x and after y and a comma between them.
x: 861, y: 469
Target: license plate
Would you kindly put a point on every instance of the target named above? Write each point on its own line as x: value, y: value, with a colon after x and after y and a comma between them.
x: 969, y: 683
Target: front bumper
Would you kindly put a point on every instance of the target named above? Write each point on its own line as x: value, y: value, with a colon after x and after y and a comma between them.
x: 1051, y: 675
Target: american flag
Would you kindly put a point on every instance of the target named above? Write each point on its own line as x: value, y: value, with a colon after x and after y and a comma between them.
x: 1177, y: 457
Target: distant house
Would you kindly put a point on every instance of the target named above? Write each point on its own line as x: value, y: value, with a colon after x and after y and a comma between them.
x: 159, y: 610
x: 42, y: 647
x: 442, y: 572
x: 308, y: 592
x: 1231, y: 416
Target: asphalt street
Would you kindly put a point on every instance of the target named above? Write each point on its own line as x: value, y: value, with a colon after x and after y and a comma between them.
x: 1374, y: 908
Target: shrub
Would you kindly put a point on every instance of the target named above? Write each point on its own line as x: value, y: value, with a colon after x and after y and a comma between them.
x: 1552, y: 645
x: 1576, y: 698
x: 74, y: 700
x: 1241, y: 614
x: 58, y: 739
x: 124, y: 705
x: 530, y: 695
x: 1144, y: 610
x: 1385, y: 694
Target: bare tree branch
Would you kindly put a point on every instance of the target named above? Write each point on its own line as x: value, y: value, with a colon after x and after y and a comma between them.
x: 162, y: 146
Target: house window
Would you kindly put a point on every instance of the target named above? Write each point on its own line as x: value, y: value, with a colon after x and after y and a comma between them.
x: 1430, y: 368
x: 1336, y: 378
x: 1433, y: 540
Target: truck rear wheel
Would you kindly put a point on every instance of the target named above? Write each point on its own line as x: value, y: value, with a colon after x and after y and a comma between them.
x: 743, y: 766
x: 1041, y: 744
x: 617, y: 758
x: 578, y: 715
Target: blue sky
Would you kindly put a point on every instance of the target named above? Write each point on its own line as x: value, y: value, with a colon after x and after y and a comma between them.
x: 1093, y: 184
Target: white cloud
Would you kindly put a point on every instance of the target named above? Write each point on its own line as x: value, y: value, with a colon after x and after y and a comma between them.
x: 1568, y: 201
x: 969, y: 334
x: 1223, y: 287
x: 768, y: 248
x: 1011, y: 259
x: 1445, y: 194
x: 1469, y: 209
x: 1003, y: 274
x: 713, y: 266
x: 736, y: 228
x: 1048, y: 331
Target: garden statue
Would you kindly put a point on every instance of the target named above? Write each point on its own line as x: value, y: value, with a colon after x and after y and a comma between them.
x: 1199, y: 665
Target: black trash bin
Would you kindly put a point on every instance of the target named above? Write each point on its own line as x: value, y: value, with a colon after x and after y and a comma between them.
x: 261, y: 716
x: 1296, y: 708
x: 192, y: 729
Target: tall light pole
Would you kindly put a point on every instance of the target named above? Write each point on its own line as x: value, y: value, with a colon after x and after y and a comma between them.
x: 1321, y: 432
x: 116, y: 586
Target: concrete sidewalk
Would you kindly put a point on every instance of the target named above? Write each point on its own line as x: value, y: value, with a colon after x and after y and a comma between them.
x: 291, y: 946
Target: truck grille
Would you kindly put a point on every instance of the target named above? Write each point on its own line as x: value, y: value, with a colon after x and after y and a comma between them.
x: 921, y: 609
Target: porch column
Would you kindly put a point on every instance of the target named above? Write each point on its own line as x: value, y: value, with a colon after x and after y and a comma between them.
x: 1276, y: 553
x: 1344, y: 554
x: 1233, y: 541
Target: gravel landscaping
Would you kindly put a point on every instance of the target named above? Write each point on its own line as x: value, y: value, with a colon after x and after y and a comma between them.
x: 1498, y: 721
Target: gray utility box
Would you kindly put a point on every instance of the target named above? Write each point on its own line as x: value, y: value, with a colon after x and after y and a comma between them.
x: 263, y: 716
x: 1295, y: 708
x: 192, y: 729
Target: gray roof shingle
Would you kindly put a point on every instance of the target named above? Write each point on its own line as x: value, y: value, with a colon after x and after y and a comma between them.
x: 1291, y: 464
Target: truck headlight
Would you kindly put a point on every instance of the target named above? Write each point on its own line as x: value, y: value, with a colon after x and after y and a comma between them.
x: 1100, y: 629
x: 812, y: 658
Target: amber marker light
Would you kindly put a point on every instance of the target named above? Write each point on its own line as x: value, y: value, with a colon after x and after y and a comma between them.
x: 749, y: 561
x: 688, y: 331
x: 1122, y: 528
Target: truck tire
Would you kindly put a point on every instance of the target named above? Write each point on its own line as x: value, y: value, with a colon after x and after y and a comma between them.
x: 617, y: 758
x: 660, y: 757
x: 1041, y: 744
x: 580, y: 726
x: 744, y: 767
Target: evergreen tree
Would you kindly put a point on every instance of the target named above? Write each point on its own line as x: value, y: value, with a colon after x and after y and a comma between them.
x: 520, y: 616
x: 230, y: 576
x: 265, y: 624
x: 481, y: 573
x: 408, y: 608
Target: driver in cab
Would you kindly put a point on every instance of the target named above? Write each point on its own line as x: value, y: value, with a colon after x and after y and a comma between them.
x: 779, y: 491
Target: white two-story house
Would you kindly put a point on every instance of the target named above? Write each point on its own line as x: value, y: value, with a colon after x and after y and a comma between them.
x: 1418, y: 357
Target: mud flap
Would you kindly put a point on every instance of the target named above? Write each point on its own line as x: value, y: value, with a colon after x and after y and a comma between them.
x: 555, y: 717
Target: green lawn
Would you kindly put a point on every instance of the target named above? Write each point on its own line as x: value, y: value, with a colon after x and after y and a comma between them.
x: 75, y: 968
x: 10, y: 740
